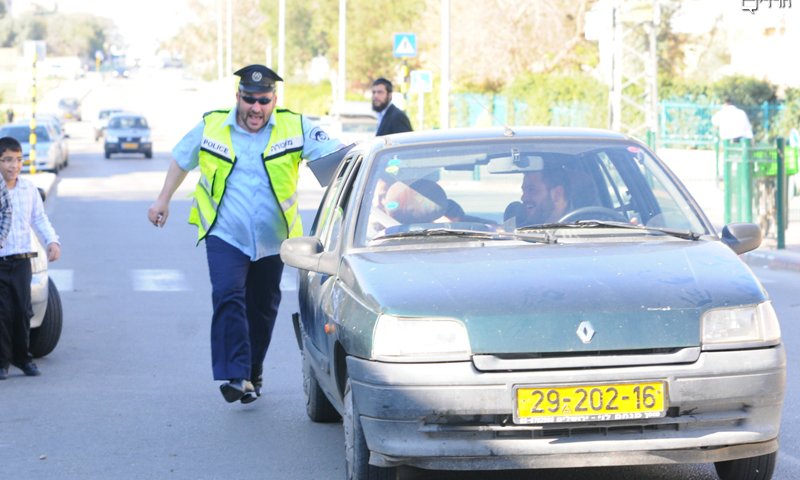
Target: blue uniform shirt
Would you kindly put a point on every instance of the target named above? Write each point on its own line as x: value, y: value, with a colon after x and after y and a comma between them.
x: 249, y: 217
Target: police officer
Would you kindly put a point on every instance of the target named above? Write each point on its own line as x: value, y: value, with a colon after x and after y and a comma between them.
x: 245, y: 205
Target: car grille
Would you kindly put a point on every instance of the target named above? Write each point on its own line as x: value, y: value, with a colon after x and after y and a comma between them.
x: 578, y: 360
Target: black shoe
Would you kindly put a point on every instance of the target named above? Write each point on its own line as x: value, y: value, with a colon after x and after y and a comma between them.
x: 29, y: 368
x: 236, y: 389
x: 257, y: 380
x: 3, y: 373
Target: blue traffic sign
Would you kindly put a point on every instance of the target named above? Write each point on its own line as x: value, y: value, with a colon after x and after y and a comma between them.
x: 405, y: 45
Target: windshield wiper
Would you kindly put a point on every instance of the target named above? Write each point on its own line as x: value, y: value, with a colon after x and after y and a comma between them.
x: 447, y: 232
x: 684, y: 234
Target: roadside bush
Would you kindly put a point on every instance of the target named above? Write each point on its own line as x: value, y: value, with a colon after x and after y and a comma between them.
x: 566, y: 100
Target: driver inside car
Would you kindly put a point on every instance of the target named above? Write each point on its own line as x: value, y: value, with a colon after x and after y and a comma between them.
x: 545, y: 196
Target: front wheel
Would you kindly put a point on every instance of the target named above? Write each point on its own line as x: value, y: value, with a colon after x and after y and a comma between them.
x: 318, y: 407
x: 754, y: 468
x: 356, y: 452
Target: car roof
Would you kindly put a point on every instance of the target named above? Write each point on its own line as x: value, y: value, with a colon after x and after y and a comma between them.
x: 497, y: 133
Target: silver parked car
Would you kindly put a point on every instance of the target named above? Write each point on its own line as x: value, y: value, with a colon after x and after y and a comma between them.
x: 101, y: 122
x: 526, y: 298
x: 49, y: 147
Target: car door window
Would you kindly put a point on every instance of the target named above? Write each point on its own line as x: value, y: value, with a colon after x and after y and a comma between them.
x: 329, y: 209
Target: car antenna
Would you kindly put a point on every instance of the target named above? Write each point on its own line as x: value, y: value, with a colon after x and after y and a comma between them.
x: 507, y: 130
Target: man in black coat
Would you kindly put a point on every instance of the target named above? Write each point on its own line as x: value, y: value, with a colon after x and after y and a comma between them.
x: 390, y: 118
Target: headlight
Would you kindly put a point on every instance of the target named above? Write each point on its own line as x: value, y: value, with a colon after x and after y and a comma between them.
x: 111, y: 139
x: 420, y: 339
x: 741, y: 327
x: 145, y: 139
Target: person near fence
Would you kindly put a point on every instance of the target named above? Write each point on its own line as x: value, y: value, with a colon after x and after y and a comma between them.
x: 732, y: 123
x: 390, y: 118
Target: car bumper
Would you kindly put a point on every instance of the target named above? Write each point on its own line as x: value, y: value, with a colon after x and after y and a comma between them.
x: 41, y: 165
x: 129, y: 147
x: 725, y: 405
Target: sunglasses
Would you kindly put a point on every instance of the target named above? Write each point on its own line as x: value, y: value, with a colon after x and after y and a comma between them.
x: 251, y: 100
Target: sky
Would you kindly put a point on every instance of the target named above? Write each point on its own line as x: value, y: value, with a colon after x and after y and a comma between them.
x: 143, y: 23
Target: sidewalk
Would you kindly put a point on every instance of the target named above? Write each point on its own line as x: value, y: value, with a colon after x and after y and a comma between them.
x: 697, y: 170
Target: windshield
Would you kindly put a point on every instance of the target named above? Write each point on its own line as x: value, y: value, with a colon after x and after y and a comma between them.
x: 127, y: 122
x: 521, y: 185
x: 23, y: 133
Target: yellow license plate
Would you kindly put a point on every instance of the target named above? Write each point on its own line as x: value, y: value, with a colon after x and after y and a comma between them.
x: 130, y: 146
x: 590, y: 403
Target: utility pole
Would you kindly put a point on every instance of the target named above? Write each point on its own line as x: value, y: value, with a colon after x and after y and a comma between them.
x: 220, y: 41
x: 633, y: 98
x: 281, y: 47
x: 444, y: 86
x: 229, y: 25
x: 340, y: 97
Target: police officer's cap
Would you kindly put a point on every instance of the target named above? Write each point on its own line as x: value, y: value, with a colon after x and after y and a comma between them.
x: 257, y: 79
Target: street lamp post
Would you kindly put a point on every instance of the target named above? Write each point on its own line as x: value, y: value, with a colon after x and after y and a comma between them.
x: 342, y: 54
x: 444, y: 87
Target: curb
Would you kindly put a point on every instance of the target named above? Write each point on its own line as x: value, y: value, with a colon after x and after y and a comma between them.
x: 773, y: 259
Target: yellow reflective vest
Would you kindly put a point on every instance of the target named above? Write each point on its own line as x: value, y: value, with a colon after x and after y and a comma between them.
x: 217, y: 159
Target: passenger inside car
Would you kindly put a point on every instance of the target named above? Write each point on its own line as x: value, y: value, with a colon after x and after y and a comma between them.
x: 422, y: 201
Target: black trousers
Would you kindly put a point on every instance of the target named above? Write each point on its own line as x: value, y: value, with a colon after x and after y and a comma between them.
x: 15, y: 311
x: 246, y: 296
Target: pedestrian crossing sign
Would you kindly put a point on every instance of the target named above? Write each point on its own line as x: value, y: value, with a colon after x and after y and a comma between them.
x: 405, y: 45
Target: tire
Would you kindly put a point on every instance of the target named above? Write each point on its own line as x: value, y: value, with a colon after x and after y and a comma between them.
x: 45, y: 338
x: 318, y: 407
x: 148, y: 154
x: 754, y: 468
x: 356, y: 454
x: 108, y: 155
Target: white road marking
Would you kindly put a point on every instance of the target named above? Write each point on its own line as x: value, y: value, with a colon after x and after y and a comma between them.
x: 158, y: 280
x: 147, y: 280
x: 62, y: 279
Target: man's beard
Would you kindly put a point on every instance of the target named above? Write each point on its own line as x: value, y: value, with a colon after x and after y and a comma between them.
x: 380, y: 107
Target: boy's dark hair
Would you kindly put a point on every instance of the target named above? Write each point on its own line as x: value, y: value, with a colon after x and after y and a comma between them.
x: 382, y: 81
x: 9, y: 143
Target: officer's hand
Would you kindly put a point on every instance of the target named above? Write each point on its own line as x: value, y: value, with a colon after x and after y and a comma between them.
x: 158, y: 213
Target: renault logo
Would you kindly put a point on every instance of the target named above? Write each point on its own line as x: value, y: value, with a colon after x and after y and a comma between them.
x: 585, y: 332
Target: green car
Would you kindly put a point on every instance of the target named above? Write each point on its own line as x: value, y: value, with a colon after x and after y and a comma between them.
x: 522, y: 298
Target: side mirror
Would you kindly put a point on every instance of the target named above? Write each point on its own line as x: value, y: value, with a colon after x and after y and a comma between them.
x: 303, y: 253
x: 741, y: 237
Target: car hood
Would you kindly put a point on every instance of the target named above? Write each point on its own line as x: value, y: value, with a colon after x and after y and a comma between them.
x: 533, y: 297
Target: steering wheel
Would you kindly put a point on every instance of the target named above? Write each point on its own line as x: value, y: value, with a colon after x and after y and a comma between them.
x: 593, y: 212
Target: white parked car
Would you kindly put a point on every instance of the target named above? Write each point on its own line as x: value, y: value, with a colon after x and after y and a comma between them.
x: 47, y: 317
